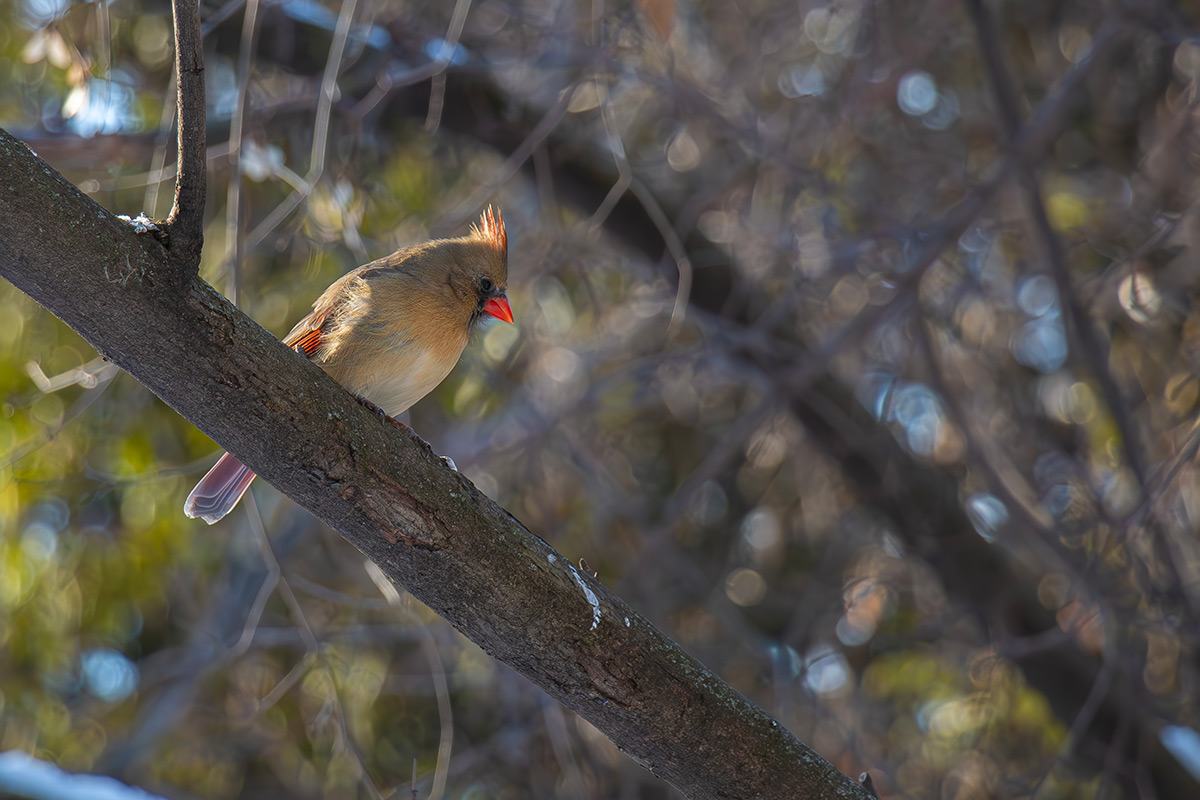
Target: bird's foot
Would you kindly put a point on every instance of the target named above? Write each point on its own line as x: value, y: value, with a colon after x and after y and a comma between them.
x: 372, y: 407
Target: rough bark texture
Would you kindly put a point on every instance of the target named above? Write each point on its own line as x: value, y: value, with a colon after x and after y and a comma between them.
x: 425, y: 525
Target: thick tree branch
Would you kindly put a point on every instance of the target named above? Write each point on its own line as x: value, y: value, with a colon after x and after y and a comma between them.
x: 185, y: 224
x: 425, y: 526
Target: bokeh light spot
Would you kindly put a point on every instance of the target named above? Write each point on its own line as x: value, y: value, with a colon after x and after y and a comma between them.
x: 1041, y: 344
x: 917, y: 93
x: 745, y: 587
x: 826, y: 670
x: 987, y: 513
x: 109, y: 675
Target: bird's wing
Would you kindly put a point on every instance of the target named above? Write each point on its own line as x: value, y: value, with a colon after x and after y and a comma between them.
x: 308, y: 341
x: 310, y: 331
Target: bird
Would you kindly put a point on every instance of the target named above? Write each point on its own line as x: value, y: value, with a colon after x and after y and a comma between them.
x: 389, y: 332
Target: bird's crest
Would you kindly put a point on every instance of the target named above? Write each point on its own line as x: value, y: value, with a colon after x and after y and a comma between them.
x: 491, y: 230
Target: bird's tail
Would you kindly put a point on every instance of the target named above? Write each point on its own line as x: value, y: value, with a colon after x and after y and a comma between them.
x: 219, y: 491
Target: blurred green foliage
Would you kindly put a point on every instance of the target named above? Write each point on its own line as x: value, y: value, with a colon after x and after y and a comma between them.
x: 257, y: 658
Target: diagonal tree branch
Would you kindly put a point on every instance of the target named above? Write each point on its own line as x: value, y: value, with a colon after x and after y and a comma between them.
x: 423, y: 524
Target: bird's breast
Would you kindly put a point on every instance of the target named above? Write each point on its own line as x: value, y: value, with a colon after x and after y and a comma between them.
x: 393, y: 342
x: 397, y: 385
x: 393, y: 369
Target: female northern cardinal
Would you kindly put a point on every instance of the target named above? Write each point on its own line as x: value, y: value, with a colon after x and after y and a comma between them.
x: 389, y: 331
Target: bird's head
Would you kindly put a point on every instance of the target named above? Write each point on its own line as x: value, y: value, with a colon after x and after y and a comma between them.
x: 480, y: 272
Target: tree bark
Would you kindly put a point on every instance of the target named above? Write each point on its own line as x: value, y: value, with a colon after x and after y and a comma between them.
x: 185, y: 224
x: 427, y: 527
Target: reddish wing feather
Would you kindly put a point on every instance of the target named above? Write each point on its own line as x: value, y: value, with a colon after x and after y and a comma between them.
x: 310, y: 331
x: 309, y: 341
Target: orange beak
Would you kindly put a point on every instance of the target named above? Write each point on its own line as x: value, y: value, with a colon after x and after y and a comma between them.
x: 499, y: 308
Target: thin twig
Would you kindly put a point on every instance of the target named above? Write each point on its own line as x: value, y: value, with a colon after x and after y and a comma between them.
x: 1024, y: 147
x: 265, y: 590
x: 573, y: 781
x: 159, y: 171
x: 316, y: 162
x: 1087, y: 713
x: 1078, y: 323
x: 627, y: 182
x: 185, y: 223
x: 546, y: 125
x: 235, y: 233
x: 1087, y: 341
x: 437, y: 91
x: 868, y: 784
x: 313, y: 651
x: 436, y: 669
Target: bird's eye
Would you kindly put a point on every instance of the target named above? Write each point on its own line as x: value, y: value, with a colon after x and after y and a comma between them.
x: 486, y: 285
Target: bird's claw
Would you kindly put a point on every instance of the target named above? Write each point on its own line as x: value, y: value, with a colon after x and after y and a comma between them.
x: 372, y: 407
x: 450, y: 463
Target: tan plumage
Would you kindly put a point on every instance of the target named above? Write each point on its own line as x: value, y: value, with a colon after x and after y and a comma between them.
x: 389, y: 331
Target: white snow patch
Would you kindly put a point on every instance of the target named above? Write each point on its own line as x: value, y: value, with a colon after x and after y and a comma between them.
x: 591, y: 597
x: 588, y: 593
x: 27, y: 776
x: 141, y: 223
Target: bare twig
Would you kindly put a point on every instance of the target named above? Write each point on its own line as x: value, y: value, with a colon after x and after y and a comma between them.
x: 436, y: 669
x: 313, y: 650
x: 469, y: 207
x: 316, y: 162
x: 627, y: 181
x: 185, y: 224
x: 1078, y: 323
x: 437, y: 91
x: 235, y: 232
x: 159, y: 171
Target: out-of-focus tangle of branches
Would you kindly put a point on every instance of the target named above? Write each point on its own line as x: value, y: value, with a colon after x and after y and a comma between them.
x: 857, y: 348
